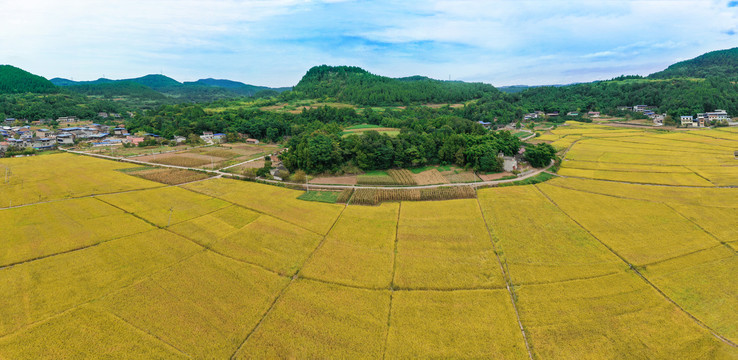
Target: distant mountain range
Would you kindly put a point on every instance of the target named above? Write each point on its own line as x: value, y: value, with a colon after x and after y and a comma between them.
x: 342, y: 83
x: 203, y: 89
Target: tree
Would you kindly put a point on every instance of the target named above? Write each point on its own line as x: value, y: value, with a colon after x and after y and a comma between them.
x: 539, y: 155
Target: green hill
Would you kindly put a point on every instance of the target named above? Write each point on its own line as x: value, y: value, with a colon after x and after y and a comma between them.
x: 721, y: 63
x: 355, y: 85
x: 116, y: 89
x: 15, y: 81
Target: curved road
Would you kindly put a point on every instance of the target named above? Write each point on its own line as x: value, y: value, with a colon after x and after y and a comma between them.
x: 316, y: 186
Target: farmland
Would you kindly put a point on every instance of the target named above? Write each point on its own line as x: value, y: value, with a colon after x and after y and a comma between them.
x: 628, y: 252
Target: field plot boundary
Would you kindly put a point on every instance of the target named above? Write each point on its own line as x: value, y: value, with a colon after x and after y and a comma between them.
x: 292, y: 280
x: 637, y: 272
x: 506, y: 276
x: 146, y: 333
x: 724, y: 243
x: 392, y: 282
x: 647, y: 184
x: 78, y: 306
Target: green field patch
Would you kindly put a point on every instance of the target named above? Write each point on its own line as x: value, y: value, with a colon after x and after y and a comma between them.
x: 320, y: 196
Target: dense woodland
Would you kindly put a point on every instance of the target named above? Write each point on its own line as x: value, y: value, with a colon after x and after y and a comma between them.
x: 357, y: 86
x: 16, y: 81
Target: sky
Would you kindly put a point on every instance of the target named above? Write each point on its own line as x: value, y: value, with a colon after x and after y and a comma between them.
x: 274, y: 42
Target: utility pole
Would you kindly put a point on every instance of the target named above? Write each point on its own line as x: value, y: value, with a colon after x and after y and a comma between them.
x: 169, y: 222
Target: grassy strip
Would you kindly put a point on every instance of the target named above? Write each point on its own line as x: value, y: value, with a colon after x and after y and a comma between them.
x: 431, y: 167
x: 321, y: 196
x: 529, y: 181
x: 363, y: 126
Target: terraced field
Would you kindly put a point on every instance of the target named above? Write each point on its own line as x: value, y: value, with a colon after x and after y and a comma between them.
x: 630, y: 253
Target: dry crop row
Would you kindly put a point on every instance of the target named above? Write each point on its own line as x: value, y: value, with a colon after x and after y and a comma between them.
x: 402, y: 176
x: 376, y: 196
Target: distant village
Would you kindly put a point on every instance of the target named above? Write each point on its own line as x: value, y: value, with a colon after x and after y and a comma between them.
x: 20, y: 134
x: 717, y: 117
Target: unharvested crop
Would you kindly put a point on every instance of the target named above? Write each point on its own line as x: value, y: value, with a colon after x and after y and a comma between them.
x: 42, y: 230
x: 324, y: 321
x: 204, y: 306
x: 279, y: 202
x: 359, y: 250
x: 544, y: 245
x: 402, y: 176
x: 165, y: 206
x: 62, y: 176
x: 377, y: 196
x: 434, y: 241
x: 457, y: 324
x: 640, y: 231
x: 616, y: 316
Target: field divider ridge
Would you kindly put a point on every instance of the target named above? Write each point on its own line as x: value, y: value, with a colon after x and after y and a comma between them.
x: 643, y: 277
x: 392, y: 280
x: 701, y: 228
x: 134, y: 282
x: 149, y: 334
x: 508, y: 281
x: 281, y: 292
x: 70, y: 250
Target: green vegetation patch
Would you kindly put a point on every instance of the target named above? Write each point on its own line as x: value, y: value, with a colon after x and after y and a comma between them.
x: 431, y: 167
x: 544, y: 176
x: 363, y: 126
x: 321, y: 196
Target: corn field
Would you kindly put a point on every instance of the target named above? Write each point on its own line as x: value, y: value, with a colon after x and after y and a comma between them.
x: 377, y: 196
x: 402, y: 176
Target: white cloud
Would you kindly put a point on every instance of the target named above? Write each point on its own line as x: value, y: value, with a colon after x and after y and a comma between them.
x: 273, y: 42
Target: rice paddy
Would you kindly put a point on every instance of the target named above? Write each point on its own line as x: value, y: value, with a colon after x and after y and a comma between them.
x: 629, y: 253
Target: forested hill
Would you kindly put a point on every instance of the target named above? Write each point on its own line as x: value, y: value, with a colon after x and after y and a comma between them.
x: 16, y: 81
x: 722, y: 63
x: 153, y: 81
x: 355, y: 85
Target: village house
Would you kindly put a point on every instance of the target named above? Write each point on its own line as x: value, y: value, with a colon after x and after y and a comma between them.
x: 640, y: 108
x: 552, y: 114
x: 219, y: 138
x: 593, y: 114
x: 252, y: 141
x: 509, y: 163
x: 103, y: 115
x: 179, y: 139
x: 44, y: 133
x: 572, y: 113
x: 65, y: 139
x: 120, y: 131
x: 135, y: 140
x: 717, y: 115
x: 207, y: 136
x: 687, y: 120
x: 43, y: 143
x: 67, y: 119
x: 486, y: 125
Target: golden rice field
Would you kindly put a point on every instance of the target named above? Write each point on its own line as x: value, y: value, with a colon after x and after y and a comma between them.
x: 630, y: 253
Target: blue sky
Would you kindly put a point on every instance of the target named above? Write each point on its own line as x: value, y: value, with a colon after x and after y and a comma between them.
x: 274, y: 42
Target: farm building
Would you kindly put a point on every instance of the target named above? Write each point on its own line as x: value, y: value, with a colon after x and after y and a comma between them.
x: 252, y: 141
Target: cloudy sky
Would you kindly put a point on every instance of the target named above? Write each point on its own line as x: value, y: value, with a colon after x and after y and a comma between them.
x: 273, y: 42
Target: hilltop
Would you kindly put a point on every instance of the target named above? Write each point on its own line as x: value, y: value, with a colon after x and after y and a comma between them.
x: 157, y: 87
x: 721, y: 63
x: 15, y: 81
x: 355, y: 85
